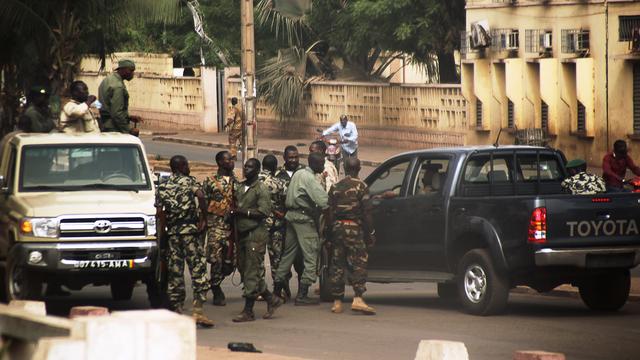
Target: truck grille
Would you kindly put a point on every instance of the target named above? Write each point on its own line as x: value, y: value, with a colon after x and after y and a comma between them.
x: 118, y: 254
x: 102, y: 227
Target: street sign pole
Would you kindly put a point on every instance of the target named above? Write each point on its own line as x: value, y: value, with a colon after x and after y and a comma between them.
x: 248, y: 70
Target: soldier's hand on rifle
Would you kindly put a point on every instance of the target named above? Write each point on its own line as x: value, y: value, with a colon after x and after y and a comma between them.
x: 202, y: 224
x: 134, y: 131
x: 135, y: 119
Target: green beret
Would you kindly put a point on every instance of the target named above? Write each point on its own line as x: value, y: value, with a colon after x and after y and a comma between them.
x: 37, y: 89
x: 575, y: 163
x: 125, y: 63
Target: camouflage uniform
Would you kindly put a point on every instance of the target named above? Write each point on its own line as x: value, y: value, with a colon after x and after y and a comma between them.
x: 298, y: 264
x: 275, y: 222
x: 234, y: 122
x: 177, y: 197
x: 219, y: 194
x: 583, y: 183
x: 349, y: 201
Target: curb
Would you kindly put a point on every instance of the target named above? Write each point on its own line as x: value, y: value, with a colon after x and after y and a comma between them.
x: 566, y: 293
x: 212, y: 144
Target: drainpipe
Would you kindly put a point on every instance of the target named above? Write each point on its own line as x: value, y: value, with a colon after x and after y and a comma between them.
x: 606, y: 66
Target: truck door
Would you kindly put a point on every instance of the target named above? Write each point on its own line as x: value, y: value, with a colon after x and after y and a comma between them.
x: 387, y: 187
x: 425, y: 222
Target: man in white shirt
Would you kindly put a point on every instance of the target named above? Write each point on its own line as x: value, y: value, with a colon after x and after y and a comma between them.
x: 76, y: 115
x: 348, y: 136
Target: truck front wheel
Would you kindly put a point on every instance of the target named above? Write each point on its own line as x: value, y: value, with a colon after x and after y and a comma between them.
x: 122, y: 289
x: 607, y: 291
x: 483, y: 290
x: 20, y: 284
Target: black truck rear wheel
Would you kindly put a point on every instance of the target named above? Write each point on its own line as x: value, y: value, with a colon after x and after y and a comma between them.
x: 606, y: 291
x: 483, y: 290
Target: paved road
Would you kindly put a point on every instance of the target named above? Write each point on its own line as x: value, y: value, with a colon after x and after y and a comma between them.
x: 406, y: 314
x: 200, y: 153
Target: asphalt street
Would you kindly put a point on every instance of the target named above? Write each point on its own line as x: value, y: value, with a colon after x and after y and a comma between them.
x: 407, y: 313
x: 203, y: 154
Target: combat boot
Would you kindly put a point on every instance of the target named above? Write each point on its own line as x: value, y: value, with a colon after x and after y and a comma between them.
x: 218, y: 296
x: 247, y: 312
x: 360, y: 306
x: 198, y: 315
x: 337, y: 306
x: 303, y: 299
x: 273, y: 302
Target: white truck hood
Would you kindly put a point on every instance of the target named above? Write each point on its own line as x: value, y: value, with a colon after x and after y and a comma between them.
x: 87, y: 202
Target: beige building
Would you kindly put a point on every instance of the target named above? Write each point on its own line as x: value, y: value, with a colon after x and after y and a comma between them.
x: 568, y: 67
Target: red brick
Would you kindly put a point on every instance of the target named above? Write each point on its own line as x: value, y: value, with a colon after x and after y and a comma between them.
x: 78, y: 311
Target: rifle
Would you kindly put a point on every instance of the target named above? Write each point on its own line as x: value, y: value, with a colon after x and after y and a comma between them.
x: 233, y: 244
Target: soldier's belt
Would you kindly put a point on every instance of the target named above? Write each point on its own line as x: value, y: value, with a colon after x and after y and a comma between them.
x: 348, y: 221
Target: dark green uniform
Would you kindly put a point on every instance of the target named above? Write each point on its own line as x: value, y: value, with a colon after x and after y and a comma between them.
x: 349, y: 202
x: 36, y: 120
x: 305, y: 199
x: 114, y: 97
x: 177, y: 198
x: 253, y: 236
x: 298, y: 263
x: 275, y: 222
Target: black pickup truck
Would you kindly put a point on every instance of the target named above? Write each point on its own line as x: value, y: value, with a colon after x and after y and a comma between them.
x: 482, y: 220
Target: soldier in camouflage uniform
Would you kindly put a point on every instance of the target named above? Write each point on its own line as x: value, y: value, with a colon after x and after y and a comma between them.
x: 220, y: 253
x: 580, y: 182
x: 285, y: 172
x: 275, y: 221
x: 234, y: 123
x: 350, y: 223
x: 178, y: 212
x: 253, y: 208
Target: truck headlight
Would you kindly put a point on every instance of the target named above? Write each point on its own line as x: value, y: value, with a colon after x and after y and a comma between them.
x: 40, y: 227
x: 151, y: 225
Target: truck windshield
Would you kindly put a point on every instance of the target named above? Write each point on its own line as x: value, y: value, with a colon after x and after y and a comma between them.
x: 83, y: 167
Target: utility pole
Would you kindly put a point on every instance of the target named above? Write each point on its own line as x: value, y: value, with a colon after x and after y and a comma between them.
x: 248, y: 72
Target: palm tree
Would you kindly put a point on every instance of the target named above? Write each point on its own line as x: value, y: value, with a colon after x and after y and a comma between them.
x: 43, y: 41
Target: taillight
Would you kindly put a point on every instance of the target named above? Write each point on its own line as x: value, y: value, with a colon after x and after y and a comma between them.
x: 538, y: 226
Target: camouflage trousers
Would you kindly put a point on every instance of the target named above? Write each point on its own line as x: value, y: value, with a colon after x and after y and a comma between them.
x: 275, y: 246
x: 186, y: 247
x: 219, y: 241
x: 251, y: 261
x: 234, y: 138
x: 348, y: 252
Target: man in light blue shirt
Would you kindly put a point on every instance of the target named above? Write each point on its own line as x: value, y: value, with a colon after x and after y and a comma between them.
x: 348, y: 136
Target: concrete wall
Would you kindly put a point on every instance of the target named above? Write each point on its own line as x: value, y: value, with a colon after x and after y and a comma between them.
x: 558, y: 79
x: 406, y: 116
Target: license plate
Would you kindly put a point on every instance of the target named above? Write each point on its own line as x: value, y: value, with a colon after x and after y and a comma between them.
x: 104, y: 264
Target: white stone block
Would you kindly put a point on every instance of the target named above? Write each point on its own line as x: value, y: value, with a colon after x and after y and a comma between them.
x: 166, y: 334
x: 441, y: 350
x: 34, y: 307
x: 59, y: 349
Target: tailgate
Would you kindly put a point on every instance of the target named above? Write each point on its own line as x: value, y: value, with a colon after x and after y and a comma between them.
x: 588, y: 221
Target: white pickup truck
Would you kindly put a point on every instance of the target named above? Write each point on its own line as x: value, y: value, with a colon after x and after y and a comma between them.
x: 76, y: 210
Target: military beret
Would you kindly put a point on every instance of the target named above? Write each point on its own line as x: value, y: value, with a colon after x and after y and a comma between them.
x: 37, y: 89
x: 125, y: 63
x: 575, y: 163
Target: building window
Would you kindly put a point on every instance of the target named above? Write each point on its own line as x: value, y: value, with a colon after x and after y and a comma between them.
x: 626, y: 26
x: 636, y: 98
x: 510, y: 119
x: 538, y: 41
x: 505, y: 40
x: 582, y: 118
x: 544, y: 115
x: 575, y: 41
x: 478, y: 113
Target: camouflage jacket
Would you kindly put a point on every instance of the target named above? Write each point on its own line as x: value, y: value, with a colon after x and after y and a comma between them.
x: 584, y: 184
x: 177, y: 198
x: 349, y: 199
x: 218, y: 190
x: 234, y: 118
x: 277, y: 192
x: 283, y: 175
